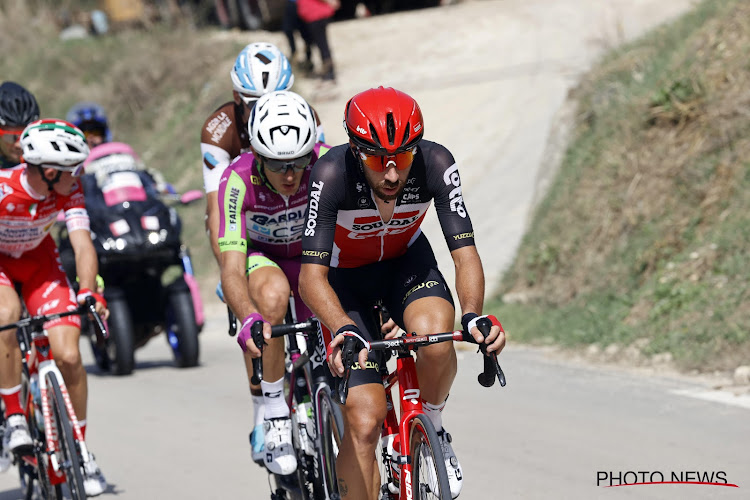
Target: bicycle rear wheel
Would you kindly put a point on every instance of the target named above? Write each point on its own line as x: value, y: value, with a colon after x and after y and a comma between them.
x: 430, y: 477
x: 69, y: 459
x: 330, y: 426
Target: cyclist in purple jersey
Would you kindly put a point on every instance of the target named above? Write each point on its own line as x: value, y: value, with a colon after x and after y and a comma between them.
x: 262, y: 199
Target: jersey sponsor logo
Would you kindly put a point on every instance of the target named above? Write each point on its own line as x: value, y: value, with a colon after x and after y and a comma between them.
x: 426, y: 284
x: 368, y: 365
x: 255, y: 180
x: 268, y: 220
x: 363, y: 202
x: 218, y: 126
x: 450, y: 177
x: 407, y: 197
x: 463, y: 235
x: 234, y: 195
x: 312, y: 214
x: 48, y: 306
x: 315, y: 253
x: 50, y: 288
x: 210, y: 161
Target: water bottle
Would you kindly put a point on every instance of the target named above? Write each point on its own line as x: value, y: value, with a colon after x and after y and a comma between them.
x: 305, y: 425
x: 391, y: 445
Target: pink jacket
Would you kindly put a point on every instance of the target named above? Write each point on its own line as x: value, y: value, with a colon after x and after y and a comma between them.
x: 314, y: 10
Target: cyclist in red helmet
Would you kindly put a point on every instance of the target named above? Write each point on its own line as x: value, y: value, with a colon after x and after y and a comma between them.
x: 363, y: 243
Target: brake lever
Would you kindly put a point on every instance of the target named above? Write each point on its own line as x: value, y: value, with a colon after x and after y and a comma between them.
x: 256, y: 329
x: 90, y: 304
x: 347, y: 358
x: 491, y: 365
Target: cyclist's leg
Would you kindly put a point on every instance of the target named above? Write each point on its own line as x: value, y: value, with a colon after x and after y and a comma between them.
x: 10, y: 354
x: 48, y: 291
x: 365, y: 409
x: 16, y: 437
x: 268, y: 288
x: 421, y: 302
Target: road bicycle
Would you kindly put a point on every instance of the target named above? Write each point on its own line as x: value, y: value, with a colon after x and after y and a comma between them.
x: 58, y: 452
x: 412, y: 464
x: 317, y: 423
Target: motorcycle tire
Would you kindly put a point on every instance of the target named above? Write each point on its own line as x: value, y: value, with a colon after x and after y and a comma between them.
x: 187, y: 350
x: 120, y: 345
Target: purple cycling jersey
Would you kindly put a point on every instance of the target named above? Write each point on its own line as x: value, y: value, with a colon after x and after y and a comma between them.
x: 255, y: 217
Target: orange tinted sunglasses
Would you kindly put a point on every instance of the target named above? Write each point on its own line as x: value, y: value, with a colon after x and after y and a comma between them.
x: 379, y: 163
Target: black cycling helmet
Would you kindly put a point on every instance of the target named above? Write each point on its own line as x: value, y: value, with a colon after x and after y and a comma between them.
x: 18, y: 107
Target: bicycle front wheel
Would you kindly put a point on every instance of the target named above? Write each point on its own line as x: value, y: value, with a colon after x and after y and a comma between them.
x: 68, y: 453
x: 330, y: 426
x: 430, y: 477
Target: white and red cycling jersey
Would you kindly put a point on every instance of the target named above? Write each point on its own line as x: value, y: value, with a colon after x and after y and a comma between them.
x: 28, y: 254
x: 26, y: 217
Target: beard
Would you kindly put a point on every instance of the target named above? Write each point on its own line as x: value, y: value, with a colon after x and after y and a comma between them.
x: 378, y: 190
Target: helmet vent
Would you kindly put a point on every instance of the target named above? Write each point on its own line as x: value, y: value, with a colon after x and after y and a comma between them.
x: 56, y: 146
x: 265, y: 79
x: 374, y: 136
x: 390, y: 127
x: 406, y: 134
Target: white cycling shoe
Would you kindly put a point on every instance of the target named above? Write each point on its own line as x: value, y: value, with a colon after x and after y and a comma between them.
x: 17, y: 438
x: 455, y: 475
x: 94, y: 482
x: 280, y: 457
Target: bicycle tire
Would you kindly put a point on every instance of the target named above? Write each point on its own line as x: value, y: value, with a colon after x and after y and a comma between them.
x: 425, y: 452
x: 70, y: 460
x: 330, y: 424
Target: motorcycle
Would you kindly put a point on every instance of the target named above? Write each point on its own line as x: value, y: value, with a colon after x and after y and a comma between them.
x: 149, y: 282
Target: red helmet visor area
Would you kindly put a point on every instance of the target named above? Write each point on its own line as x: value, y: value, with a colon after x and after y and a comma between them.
x: 384, y: 121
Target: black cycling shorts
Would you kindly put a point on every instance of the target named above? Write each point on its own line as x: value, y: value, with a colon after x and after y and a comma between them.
x: 397, y: 283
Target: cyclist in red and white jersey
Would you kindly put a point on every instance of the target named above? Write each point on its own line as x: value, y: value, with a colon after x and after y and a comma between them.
x: 262, y: 196
x: 363, y: 243
x: 31, y: 196
x: 18, y: 108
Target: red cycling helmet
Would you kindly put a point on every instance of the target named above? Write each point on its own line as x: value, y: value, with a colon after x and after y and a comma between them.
x: 383, y: 121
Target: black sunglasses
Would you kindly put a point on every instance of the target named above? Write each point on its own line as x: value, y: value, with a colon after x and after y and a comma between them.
x: 276, y: 166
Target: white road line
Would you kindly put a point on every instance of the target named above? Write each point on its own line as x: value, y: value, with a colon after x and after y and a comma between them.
x: 743, y: 400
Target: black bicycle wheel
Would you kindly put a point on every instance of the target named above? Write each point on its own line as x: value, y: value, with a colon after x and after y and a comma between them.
x: 330, y: 426
x: 430, y: 477
x: 69, y: 459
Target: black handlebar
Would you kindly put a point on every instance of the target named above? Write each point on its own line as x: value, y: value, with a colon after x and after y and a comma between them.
x: 36, y: 323
x: 256, y: 329
x: 351, y: 347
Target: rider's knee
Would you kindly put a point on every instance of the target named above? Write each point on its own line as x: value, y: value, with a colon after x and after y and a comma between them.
x: 274, y: 298
x: 9, y: 313
x: 68, y: 357
x: 365, y: 424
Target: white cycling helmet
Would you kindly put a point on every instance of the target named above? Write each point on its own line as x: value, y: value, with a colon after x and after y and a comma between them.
x: 55, y: 144
x: 282, y: 126
x: 260, y: 68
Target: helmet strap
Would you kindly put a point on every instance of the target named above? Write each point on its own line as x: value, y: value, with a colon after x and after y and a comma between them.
x: 50, y: 182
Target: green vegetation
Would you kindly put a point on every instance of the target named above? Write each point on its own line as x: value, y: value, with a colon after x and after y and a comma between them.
x: 643, y: 238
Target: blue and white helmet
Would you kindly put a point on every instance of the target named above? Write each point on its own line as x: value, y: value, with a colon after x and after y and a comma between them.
x: 260, y: 68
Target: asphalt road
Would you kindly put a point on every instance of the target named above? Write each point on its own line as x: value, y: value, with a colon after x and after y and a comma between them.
x: 169, y: 433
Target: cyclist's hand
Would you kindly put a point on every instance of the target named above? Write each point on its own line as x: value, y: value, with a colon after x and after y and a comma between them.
x: 390, y: 329
x: 333, y: 351
x: 245, y: 338
x: 495, y: 340
x: 101, y: 302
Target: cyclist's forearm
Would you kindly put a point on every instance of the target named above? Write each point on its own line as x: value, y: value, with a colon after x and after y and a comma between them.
x: 234, y: 285
x: 212, y: 223
x: 87, y: 265
x: 469, y: 279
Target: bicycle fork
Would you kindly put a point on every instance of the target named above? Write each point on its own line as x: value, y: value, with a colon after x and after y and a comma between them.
x: 399, y: 453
